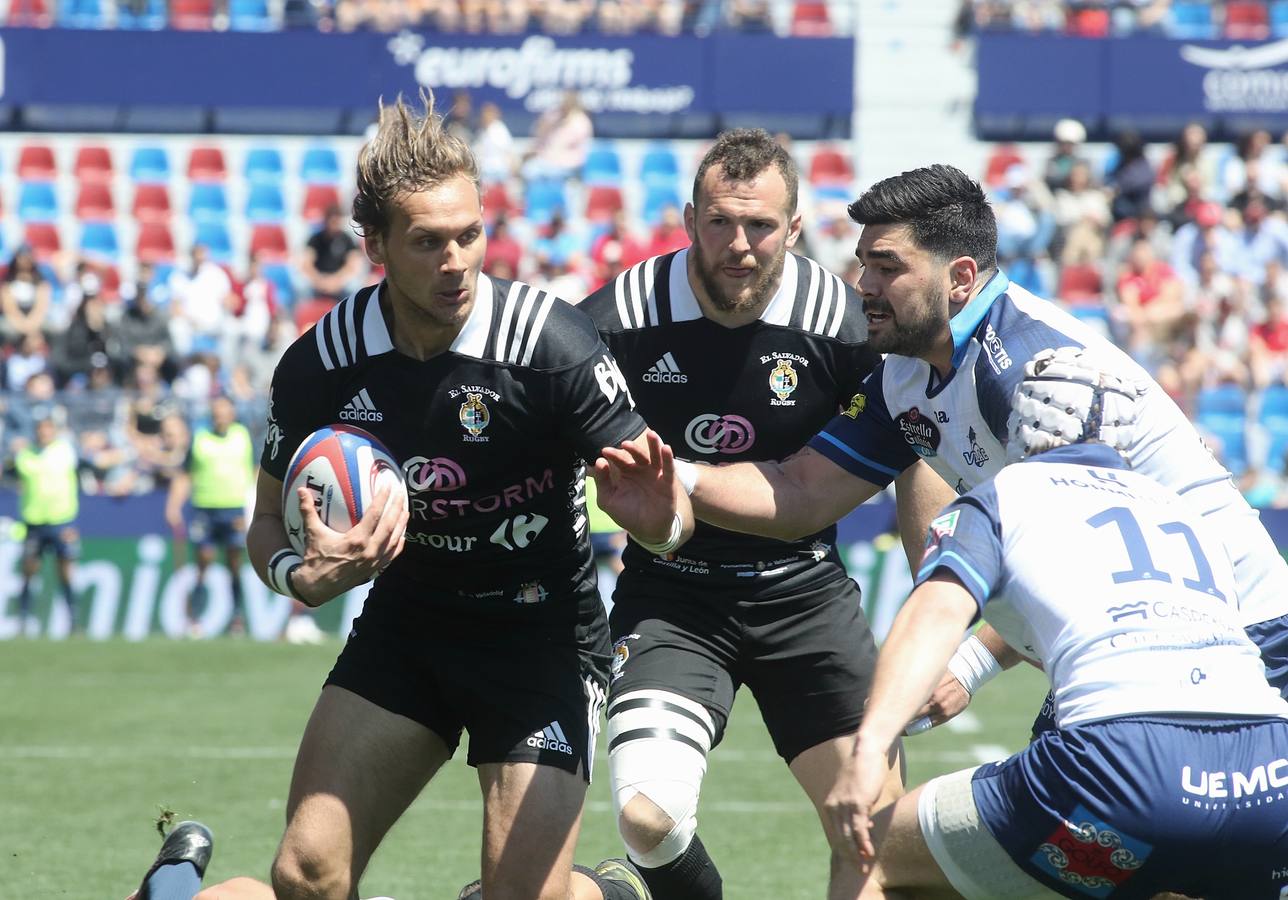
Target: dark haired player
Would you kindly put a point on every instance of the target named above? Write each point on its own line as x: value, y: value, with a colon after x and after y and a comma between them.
x: 735, y: 349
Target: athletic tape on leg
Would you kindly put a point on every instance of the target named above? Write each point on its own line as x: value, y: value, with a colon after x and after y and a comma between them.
x: 657, y: 747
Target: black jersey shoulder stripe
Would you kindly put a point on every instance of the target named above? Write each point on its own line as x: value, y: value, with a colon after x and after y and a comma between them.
x: 523, y: 318
x: 662, y: 287
x: 636, y: 292
x: 824, y: 300
x: 523, y: 354
x: 339, y: 334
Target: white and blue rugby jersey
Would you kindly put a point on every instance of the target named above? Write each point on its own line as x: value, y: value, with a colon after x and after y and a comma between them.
x: 958, y: 426
x: 1118, y: 586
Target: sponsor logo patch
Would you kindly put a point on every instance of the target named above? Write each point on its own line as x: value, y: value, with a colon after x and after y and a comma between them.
x: 1089, y: 855
x: 919, y: 431
x: 858, y: 403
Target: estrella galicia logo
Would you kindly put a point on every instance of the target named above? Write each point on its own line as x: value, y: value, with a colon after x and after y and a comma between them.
x: 976, y: 455
x: 920, y: 433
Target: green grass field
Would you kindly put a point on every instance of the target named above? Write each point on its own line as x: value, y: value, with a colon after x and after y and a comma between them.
x: 95, y: 737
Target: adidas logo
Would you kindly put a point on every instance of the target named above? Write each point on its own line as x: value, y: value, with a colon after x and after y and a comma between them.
x: 666, y: 371
x: 361, y: 409
x: 550, y: 738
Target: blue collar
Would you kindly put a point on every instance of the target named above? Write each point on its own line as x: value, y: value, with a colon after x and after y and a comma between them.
x: 964, y: 324
x: 1098, y: 455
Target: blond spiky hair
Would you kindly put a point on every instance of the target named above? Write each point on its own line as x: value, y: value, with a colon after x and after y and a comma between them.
x: 409, y: 152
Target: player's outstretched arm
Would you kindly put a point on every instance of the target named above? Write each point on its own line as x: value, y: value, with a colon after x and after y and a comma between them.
x: 924, y: 635
x: 333, y: 562
x: 787, y: 500
x: 637, y: 485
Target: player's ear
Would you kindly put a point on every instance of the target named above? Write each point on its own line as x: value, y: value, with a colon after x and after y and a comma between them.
x: 962, y: 275
x: 374, y: 244
x: 793, y: 230
x: 690, y: 221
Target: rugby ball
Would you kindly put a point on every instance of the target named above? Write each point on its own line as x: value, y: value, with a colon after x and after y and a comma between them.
x: 343, y: 467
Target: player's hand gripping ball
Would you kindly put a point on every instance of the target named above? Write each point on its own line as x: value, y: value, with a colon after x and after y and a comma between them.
x: 343, y: 467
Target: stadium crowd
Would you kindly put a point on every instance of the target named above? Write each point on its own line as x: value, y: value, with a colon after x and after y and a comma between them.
x: 1178, y: 252
x: 560, y: 17
x: 1182, y: 19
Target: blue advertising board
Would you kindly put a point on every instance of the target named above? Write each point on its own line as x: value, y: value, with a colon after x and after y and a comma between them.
x: 1153, y: 84
x: 722, y: 73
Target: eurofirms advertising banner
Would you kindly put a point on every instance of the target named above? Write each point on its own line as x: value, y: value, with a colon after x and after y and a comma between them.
x: 724, y: 73
x: 133, y: 580
x: 1137, y: 78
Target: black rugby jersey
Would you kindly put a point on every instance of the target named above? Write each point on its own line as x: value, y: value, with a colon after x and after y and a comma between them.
x: 490, y: 435
x: 717, y: 394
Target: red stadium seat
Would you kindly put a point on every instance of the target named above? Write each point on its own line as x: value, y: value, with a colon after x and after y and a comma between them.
x: 156, y: 244
x: 309, y: 311
x: 43, y: 239
x: 151, y: 203
x: 207, y: 164
x: 94, y: 203
x: 604, y: 202
x: 93, y: 163
x: 111, y: 277
x: 192, y: 15
x: 36, y: 163
x: 496, y: 200
x: 317, y: 199
x: 1002, y: 158
x: 30, y: 14
x: 268, y: 242
x: 810, y: 19
x: 1089, y: 23
x: 830, y: 166
x: 1246, y: 20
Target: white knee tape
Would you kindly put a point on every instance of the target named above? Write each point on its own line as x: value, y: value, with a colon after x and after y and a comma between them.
x: 657, y: 746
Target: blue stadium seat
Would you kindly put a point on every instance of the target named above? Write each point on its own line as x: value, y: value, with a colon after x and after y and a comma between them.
x: 1191, y: 20
x: 280, y: 275
x: 37, y: 202
x: 98, y: 242
x: 541, y: 198
x: 1222, y: 412
x: 214, y: 236
x: 1274, y: 419
x: 658, y: 197
x: 1279, y: 18
x: 149, y: 165
x: 603, y: 165
x: 659, y: 164
x: 208, y: 203
x: 250, y: 15
x: 87, y: 14
x: 265, y: 204
x: 320, y: 165
x: 148, y: 15
x: 264, y: 165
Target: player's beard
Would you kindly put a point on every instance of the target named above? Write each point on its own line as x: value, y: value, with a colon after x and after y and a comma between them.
x: 763, y: 286
x: 921, y: 326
